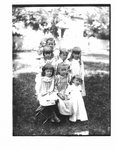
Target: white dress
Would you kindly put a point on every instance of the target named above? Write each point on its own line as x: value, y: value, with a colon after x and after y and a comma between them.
x: 77, y: 69
x: 42, y: 62
x: 45, y: 90
x: 78, y: 107
x: 64, y: 106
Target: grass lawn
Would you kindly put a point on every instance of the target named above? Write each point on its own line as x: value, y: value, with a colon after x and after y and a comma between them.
x: 97, y: 102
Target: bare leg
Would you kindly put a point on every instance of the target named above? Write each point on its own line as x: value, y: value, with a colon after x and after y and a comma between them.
x: 55, y: 117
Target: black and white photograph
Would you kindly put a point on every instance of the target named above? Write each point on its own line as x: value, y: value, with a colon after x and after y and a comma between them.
x: 61, y: 67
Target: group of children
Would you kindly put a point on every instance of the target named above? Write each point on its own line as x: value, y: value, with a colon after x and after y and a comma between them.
x: 60, y: 81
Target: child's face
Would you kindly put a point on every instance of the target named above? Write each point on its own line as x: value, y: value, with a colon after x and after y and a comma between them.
x: 63, y: 56
x: 63, y: 71
x: 48, y: 73
x: 50, y: 43
x: 48, y: 54
x: 76, y: 81
x: 76, y: 55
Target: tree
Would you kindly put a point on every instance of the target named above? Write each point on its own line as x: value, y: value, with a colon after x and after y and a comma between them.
x: 97, y: 23
x: 35, y: 19
x: 96, y: 19
x: 38, y: 19
x: 41, y: 18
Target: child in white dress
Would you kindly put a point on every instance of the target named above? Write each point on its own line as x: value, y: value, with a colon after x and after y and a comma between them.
x: 48, y: 57
x: 45, y: 89
x: 77, y: 66
x: 74, y: 94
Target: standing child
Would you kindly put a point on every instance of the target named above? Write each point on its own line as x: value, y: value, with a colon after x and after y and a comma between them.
x: 40, y: 48
x: 77, y: 66
x: 51, y: 42
x: 63, y: 56
x: 45, y: 89
x: 74, y: 95
x: 48, y: 57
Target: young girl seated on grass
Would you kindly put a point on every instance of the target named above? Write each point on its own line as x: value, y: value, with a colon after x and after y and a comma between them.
x: 74, y: 94
x: 45, y: 89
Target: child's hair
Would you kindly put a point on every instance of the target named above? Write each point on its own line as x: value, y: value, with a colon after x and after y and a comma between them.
x: 76, y: 76
x: 48, y: 66
x: 63, y: 50
x: 47, y: 49
x: 62, y: 65
x: 43, y: 43
x: 52, y: 40
x: 75, y: 50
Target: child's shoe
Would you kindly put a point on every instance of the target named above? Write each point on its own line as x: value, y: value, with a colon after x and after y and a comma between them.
x: 55, y: 119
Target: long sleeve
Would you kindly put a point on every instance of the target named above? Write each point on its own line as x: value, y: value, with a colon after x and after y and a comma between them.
x: 38, y: 85
x: 82, y: 70
x: 83, y: 82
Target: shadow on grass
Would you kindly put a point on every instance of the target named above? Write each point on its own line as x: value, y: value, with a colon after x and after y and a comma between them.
x: 97, y: 103
x: 99, y: 56
x: 96, y: 66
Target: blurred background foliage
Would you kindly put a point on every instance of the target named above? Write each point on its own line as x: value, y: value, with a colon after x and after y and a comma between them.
x: 96, y: 19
